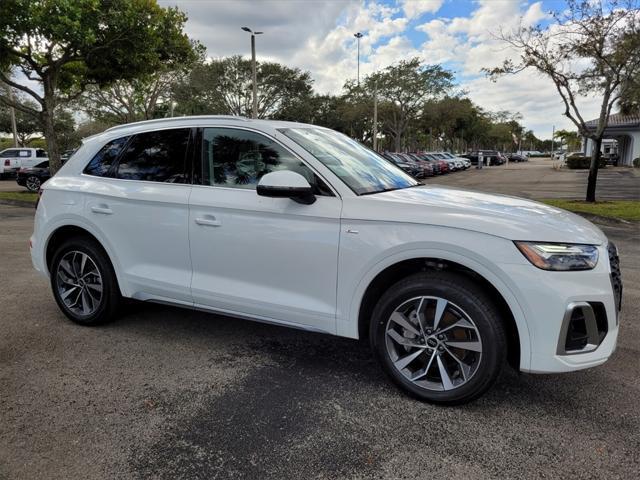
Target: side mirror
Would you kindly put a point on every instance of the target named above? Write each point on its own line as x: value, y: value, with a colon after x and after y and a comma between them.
x: 286, y: 184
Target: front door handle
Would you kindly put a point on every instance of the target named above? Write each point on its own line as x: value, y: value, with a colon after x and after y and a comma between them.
x: 209, y: 221
x: 103, y: 209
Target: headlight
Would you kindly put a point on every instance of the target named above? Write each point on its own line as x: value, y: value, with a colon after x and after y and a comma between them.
x: 559, y: 256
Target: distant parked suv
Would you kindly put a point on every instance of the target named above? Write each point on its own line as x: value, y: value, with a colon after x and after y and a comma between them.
x: 490, y: 157
x: 301, y: 226
x: 13, y: 159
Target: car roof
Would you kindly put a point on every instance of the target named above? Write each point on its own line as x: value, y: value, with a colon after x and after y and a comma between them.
x: 266, y: 126
x: 206, y: 120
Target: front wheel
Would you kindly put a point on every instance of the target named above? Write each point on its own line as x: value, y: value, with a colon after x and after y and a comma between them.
x: 439, y: 337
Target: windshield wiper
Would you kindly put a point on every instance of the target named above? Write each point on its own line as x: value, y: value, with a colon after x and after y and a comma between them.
x: 391, y: 189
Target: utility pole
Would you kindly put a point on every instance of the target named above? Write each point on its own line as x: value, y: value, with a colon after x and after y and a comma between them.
x: 553, y: 135
x: 14, y: 127
x: 254, y: 113
x: 12, y: 112
x: 358, y: 36
x: 375, y: 116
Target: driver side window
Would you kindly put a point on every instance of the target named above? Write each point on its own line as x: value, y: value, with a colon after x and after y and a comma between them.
x: 235, y: 158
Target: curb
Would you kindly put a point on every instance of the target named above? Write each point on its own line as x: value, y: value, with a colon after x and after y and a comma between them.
x: 605, y: 220
x: 17, y: 203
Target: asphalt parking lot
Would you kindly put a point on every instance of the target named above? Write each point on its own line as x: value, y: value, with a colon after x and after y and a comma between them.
x: 170, y: 393
x: 537, y: 179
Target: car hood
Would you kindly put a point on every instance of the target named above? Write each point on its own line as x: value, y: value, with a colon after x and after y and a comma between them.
x: 509, y: 217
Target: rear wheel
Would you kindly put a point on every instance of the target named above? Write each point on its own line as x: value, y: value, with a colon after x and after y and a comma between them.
x: 84, y: 283
x: 439, y: 337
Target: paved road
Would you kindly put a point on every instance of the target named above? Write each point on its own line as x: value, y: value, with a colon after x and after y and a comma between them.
x: 167, y: 393
x: 537, y: 179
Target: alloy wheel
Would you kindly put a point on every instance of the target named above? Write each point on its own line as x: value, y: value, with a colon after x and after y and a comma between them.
x: 33, y: 184
x: 433, y: 343
x: 79, y: 283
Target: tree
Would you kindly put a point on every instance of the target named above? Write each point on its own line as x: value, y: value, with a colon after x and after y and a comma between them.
x: 27, y: 125
x: 570, y: 139
x: 591, y: 49
x: 143, y: 98
x: 64, y: 46
x: 223, y: 86
x: 630, y: 96
x: 402, y: 90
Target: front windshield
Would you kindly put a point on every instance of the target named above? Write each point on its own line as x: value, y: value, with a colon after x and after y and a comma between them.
x: 363, y: 170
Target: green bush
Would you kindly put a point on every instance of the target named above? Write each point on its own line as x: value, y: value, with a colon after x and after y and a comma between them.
x: 583, y: 162
x: 636, y: 162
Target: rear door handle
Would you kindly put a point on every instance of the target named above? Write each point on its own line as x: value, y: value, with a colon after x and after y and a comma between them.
x: 209, y: 221
x: 103, y: 209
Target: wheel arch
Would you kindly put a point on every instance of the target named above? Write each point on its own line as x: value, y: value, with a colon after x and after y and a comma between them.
x: 70, y: 230
x: 517, y: 332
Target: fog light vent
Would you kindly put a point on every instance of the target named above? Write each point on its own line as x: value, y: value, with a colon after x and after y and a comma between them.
x: 583, y: 328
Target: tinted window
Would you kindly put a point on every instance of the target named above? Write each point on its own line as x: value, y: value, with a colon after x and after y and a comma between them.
x: 9, y: 153
x: 238, y: 158
x: 41, y: 154
x: 156, y: 157
x: 100, y: 164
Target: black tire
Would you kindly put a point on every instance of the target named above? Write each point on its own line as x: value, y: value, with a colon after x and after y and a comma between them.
x: 32, y: 183
x: 464, y: 293
x: 110, y: 300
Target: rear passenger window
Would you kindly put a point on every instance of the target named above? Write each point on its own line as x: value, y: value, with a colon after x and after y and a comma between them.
x: 156, y: 157
x: 100, y: 164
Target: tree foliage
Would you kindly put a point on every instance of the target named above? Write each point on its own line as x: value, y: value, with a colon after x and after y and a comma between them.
x: 224, y: 86
x: 402, y: 89
x: 570, y: 139
x: 66, y: 45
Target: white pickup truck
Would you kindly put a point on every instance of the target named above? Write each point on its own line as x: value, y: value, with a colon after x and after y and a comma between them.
x: 13, y: 159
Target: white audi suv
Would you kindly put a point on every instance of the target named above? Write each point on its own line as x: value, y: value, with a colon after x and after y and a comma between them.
x: 301, y: 226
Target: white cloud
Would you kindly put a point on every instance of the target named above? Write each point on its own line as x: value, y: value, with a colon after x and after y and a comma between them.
x: 317, y: 35
x: 472, y: 43
x: 417, y: 8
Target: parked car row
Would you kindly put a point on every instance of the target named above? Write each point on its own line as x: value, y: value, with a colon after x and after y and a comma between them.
x: 427, y: 164
x: 13, y: 159
x: 30, y: 166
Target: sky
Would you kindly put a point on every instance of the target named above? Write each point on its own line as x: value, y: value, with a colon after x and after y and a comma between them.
x: 317, y: 36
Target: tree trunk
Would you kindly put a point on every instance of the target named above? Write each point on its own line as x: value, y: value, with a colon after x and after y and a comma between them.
x: 593, y: 171
x: 52, y: 142
x: 397, y: 139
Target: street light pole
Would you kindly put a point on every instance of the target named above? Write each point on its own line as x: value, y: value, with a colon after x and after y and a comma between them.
x: 375, y: 116
x: 254, y: 112
x: 358, y: 36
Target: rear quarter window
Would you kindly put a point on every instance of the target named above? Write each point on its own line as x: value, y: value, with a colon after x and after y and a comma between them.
x: 100, y: 165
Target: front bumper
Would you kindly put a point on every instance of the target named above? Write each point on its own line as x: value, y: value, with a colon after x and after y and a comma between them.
x: 549, y: 300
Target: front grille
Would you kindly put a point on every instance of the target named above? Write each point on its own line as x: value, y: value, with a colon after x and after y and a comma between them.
x: 616, y: 274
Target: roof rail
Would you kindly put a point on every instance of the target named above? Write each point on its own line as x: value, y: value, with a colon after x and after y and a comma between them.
x: 176, y: 119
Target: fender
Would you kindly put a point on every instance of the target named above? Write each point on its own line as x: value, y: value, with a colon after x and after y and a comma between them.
x: 490, y: 271
x: 67, y: 220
